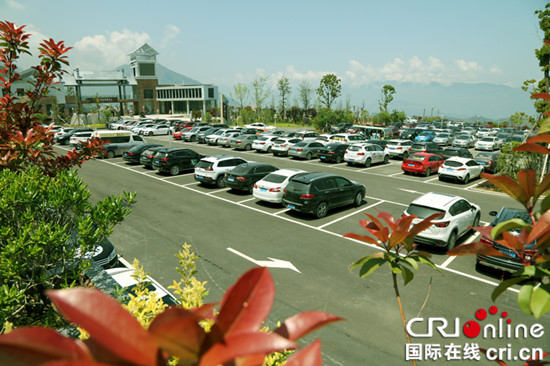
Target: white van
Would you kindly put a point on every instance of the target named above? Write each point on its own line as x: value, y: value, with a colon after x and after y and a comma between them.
x: 118, y: 142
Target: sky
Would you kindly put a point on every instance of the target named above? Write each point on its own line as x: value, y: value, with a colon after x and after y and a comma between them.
x: 362, y: 42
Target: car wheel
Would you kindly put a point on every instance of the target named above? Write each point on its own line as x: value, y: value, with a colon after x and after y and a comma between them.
x: 440, y: 178
x: 308, y: 156
x: 247, y: 147
x: 466, y: 179
x: 275, y: 154
x: 322, y: 209
x: 193, y: 138
x: 338, y: 159
x: 428, y: 172
x: 358, y: 199
x: 149, y: 133
x: 405, y: 155
x: 174, y: 170
x: 269, y: 149
x: 367, y: 163
x: 386, y: 159
x: 220, y: 183
x: 110, y: 154
x: 452, y: 241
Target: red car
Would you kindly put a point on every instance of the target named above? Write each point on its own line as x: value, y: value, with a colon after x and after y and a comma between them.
x: 422, y: 163
x: 177, y: 135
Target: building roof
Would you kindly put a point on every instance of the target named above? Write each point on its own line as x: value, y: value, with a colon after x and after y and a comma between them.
x: 144, y: 50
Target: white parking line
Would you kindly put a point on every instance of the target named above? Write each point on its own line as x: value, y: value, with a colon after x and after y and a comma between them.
x: 394, y: 174
x: 431, y: 180
x: 474, y: 185
x: 217, y: 191
x: 250, y: 199
x: 470, y: 240
x: 190, y: 184
x: 351, y: 214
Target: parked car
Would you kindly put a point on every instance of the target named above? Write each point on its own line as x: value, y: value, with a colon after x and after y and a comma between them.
x: 409, y: 133
x: 201, y: 136
x: 270, y: 188
x: 212, y: 139
x: 283, y: 144
x: 305, y: 150
x: 425, y: 136
x: 381, y: 143
x: 458, y: 215
x: 133, y: 155
x: 366, y: 154
x: 422, y: 163
x: 465, y: 140
x: 460, y: 169
x: 444, y: 139
x: 260, y: 126
x: 211, y: 170
x: 244, y: 176
x: 264, y: 143
x: 146, y: 157
x: 174, y: 160
x: 399, y: 148
x: 223, y: 141
x: 308, y: 135
x: 426, y: 147
x: 485, y: 132
x: 510, y: 263
x: 125, y: 278
x: 65, y: 137
x: 488, y: 160
x: 242, y: 142
x: 347, y: 138
x: 456, y: 151
x: 488, y: 143
x: 139, y: 129
x: 81, y: 136
x: 319, y: 192
x: 192, y: 134
x: 324, y: 138
x: 340, y: 127
x: 333, y: 152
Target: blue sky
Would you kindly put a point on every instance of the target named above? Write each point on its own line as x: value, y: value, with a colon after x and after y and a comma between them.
x: 363, y: 42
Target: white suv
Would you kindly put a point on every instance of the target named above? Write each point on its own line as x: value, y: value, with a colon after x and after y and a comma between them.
x: 210, y: 170
x: 400, y: 148
x: 458, y: 216
x: 366, y: 154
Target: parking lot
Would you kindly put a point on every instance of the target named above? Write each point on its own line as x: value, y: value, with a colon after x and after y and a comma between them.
x: 232, y: 231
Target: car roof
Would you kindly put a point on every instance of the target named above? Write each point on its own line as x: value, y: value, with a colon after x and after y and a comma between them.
x: 311, y: 176
x: 436, y: 199
x: 219, y: 157
x: 288, y: 172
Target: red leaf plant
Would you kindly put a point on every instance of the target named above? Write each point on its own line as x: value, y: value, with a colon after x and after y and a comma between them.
x: 23, y: 140
x: 116, y: 337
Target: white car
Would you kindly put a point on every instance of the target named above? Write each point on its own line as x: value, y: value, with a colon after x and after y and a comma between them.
x: 488, y: 143
x: 260, y: 126
x: 325, y: 138
x: 461, y: 169
x: 485, y: 132
x: 139, y: 129
x: 224, y: 140
x: 271, y: 187
x: 124, y: 277
x: 465, y: 140
x: 264, y: 143
x: 366, y: 154
x: 210, y: 170
x: 400, y: 148
x: 347, y: 138
x: 212, y: 139
x: 458, y: 216
x: 283, y: 144
x: 156, y: 130
x: 444, y: 138
x: 78, y: 137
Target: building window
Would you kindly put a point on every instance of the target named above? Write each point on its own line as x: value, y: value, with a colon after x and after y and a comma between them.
x: 146, y: 69
x: 210, y: 93
x: 148, y: 94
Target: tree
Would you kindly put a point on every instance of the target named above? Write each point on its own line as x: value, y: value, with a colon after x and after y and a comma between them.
x: 329, y: 89
x: 305, y: 91
x: 386, y: 97
x: 240, y: 94
x: 24, y: 142
x: 283, y: 85
x: 261, y: 92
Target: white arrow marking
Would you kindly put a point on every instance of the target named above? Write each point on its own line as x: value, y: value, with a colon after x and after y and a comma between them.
x: 271, y: 263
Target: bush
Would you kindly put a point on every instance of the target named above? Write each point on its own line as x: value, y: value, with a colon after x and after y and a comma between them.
x: 511, y: 162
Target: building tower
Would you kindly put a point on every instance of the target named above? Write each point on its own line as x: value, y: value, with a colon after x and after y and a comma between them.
x: 143, y: 63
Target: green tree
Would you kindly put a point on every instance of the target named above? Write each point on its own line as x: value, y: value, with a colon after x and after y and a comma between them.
x: 305, y: 92
x: 520, y: 119
x: 260, y: 92
x: 283, y: 85
x: 329, y: 89
x: 240, y: 94
x: 386, y: 97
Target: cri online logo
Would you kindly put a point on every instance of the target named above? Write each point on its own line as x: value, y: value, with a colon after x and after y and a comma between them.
x: 472, y: 329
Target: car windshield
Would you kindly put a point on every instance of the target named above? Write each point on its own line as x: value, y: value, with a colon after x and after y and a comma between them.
x: 355, y: 148
x: 418, y: 146
x: 417, y: 157
x: 301, y: 144
x: 452, y: 163
x: 204, y: 164
x: 463, y: 137
x: 487, y: 139
x: 443, y: 135
x: 484, y: 156
x: 452, y: 152
x: 422, y: 211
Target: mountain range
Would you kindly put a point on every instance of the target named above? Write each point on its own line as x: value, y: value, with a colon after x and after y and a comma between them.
x: 457, y: 101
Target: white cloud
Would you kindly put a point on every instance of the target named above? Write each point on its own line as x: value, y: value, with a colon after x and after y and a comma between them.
x: 468, y: 66
x: 169, y: 35
x: 495, y: 69
x: 14, y: 5
x: 105, y: 52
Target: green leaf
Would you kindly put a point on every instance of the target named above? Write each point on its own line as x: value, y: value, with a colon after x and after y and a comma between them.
x: 370, y: 266
x: 504, y: 285
x: 545, y: 204
x: 408, y: 275
x: 540, y: 301
x: 424, y: 260
x: 507, y: 225
x: 395, y: 268
x: 363, y: 260
x: 524, y: 298
x: 411, y: 261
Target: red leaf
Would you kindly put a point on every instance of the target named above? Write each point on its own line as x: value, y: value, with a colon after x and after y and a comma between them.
x: 544, y: 138
x: 544, y: 96
x: 476, y: 248
x: 527, y: 179
x: 247, y: 303
x: 178, y: 332
x: 508, y: 186
x: 534, y: 148
x: 365, y: 238
x: 75, y: 363
x: 244, y: 344
x: 35, y: 345
x: 107, y: 322
x: 308, y: 356
x: 540, y: 228
x: 388, y: 219
x: 301, y: 324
